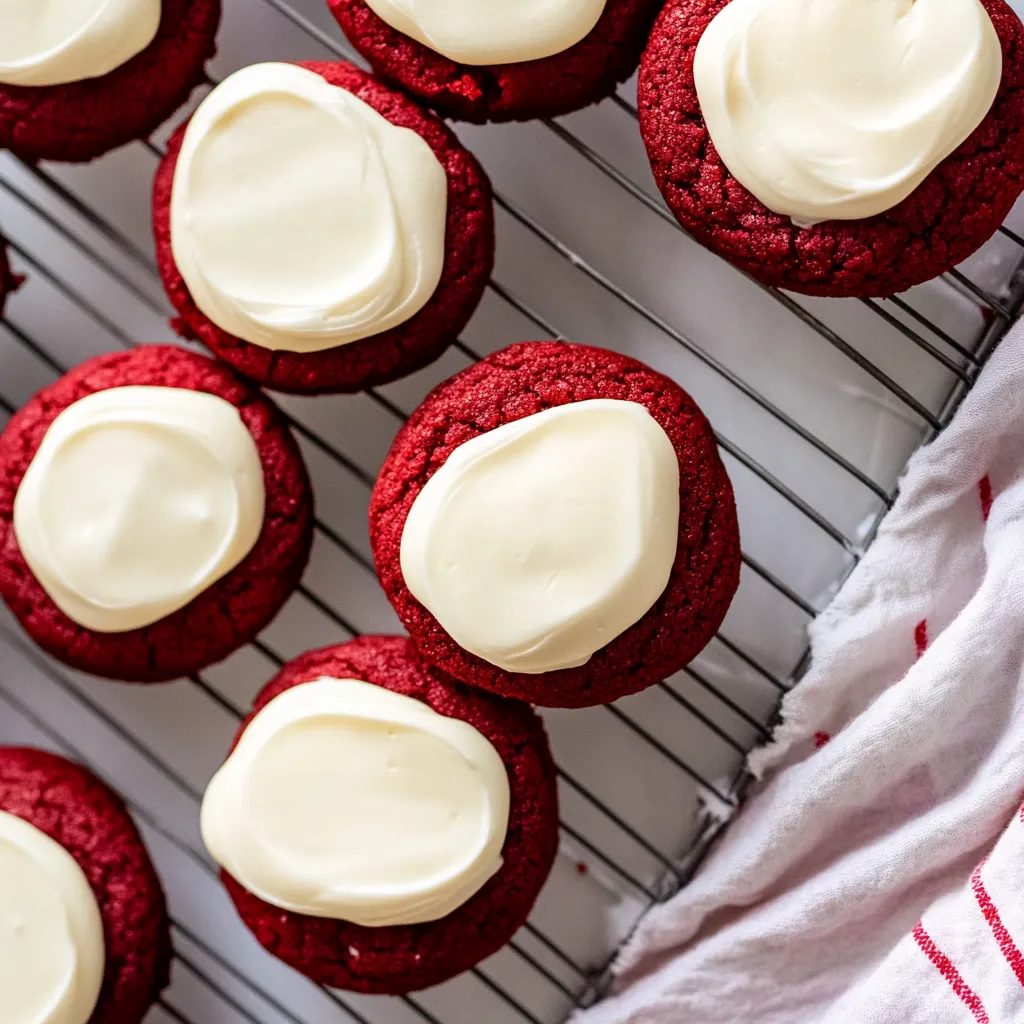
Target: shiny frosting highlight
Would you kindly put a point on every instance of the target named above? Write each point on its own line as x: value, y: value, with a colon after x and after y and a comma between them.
x: 839, y: 109
x: 345, y: 800
x: 539, y: 542
x: 53, y: 42
x: 301, y: 219
x: 52, y: 955
x: 506, y: 32
x: 138, y: 499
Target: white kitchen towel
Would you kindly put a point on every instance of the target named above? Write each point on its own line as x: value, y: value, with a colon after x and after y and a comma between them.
x: 877, y: 874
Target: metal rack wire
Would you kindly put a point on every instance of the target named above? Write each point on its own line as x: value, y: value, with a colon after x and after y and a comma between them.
x: 647, y: 783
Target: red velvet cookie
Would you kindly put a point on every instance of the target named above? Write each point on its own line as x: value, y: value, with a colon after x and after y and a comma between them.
x: 585, y: 73
x: 469, y: 257
x: 528, y: 378
x: 228, y: 613
x: 397, y: 959
x: 83, y: 120
x: 950, y: 215
x: 75, y: 809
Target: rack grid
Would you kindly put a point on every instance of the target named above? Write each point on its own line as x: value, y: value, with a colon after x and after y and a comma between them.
x: 818, y: 405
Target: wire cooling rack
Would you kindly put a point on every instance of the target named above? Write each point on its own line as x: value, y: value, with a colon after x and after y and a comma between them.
x: 818, y: 405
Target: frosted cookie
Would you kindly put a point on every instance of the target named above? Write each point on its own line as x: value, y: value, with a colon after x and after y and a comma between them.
x: 555, y: 524
x: 155, y: 514
x: 382, y: 828
x: 84, y: 932
x: 883, y: 172
x: 523, y: 60
x: 358, y: 248
x: 81, y: 77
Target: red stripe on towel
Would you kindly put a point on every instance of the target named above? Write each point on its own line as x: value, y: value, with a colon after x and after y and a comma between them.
x: 820, y: 739
x: 1007, y: 946
x: 945, y: 967
x: 921, y: 637
x: 985, y: 493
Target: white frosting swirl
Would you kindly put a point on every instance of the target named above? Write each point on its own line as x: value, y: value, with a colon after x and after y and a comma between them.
x: 52, y: 955
x: 301, y: 219
x: 348, y: 801
x: 539, y: 542
x: 137, y: 500
x: 52, y: 42
x: 839, y: 109
x: 506, y: 32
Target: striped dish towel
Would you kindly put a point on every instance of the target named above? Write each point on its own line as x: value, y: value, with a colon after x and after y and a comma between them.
x: 877, y: 874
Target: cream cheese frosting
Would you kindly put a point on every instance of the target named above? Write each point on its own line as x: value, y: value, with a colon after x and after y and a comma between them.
x: 539, y: 542
x: 301, y: 219
x: 138, y: 499
x: 345, y: 800
x: 506, y: 32
x: 839, y: 109
x: 52, y: 955
x: 53, y: 42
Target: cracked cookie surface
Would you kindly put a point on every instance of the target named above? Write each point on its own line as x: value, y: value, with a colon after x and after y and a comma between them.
x: 948, y: 217
x: 528, y: 378
x: 78, y: 811
x: 469, y: 257
x: 228, y: 613
x: 404, y: 958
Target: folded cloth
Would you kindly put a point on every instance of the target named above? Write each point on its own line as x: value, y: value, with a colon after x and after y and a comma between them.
x: 877, y: 874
